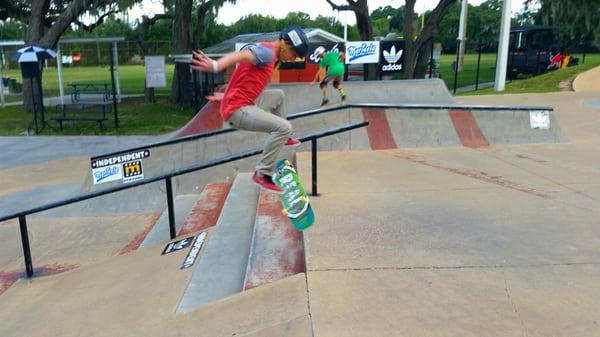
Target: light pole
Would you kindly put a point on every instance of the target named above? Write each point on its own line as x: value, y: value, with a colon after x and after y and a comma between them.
x: 503, y: 47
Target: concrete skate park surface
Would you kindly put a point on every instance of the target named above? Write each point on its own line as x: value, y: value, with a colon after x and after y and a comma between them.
x: 456, y: 238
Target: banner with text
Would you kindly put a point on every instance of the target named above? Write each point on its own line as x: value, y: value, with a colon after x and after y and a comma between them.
x: 392, y: 56
x: 362, y: 52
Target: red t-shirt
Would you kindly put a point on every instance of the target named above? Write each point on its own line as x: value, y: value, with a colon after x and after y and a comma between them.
x: 247, y: 83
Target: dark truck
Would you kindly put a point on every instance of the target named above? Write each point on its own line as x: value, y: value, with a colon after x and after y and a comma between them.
x: 534, y: 50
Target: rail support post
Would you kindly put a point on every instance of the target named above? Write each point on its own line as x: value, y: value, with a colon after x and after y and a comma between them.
x: 25, y: 242
x: 170, y: 208
x: 314, y: 166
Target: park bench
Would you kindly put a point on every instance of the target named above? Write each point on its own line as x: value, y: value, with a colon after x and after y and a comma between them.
x: 89, y: 102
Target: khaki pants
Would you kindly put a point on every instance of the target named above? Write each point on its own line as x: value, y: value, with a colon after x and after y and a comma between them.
x: 268, y: 115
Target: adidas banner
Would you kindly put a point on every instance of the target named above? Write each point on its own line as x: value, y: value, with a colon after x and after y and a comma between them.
x: 391, y: 58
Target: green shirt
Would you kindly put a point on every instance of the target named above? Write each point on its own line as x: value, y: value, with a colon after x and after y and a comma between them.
x: 331, y: 61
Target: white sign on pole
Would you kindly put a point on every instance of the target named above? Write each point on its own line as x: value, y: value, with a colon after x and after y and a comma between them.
x: 155, y: 71
x: 362, y: 52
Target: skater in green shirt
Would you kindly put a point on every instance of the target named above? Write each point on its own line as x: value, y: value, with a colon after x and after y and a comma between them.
x: 331, y: 68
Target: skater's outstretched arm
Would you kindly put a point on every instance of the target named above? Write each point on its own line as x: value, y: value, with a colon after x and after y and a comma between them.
x: 201, y: 62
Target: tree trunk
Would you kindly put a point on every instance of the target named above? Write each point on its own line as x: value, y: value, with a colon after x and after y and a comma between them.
x: 35, y: 29
x: 35, y: 33
x: 182, y: 44
x: 417, y: 48
x: 410, y: 50
x: 363, y: 22
x: 421, y: 67
x: 201, y: 13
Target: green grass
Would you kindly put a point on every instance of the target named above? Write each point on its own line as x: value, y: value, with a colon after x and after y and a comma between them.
x: 548, y: 82
x: 131, y: 79
x: 135, y: 118
x: 487, y: 70
x: 138, y: 118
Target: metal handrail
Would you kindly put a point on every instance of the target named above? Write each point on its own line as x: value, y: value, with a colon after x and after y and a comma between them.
x: 334, y: 108
x: 21, y: 215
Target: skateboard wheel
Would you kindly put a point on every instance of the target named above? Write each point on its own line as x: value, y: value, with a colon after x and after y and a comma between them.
x: 284, y: 212
x: 287, y: 163
x: 303, y: 198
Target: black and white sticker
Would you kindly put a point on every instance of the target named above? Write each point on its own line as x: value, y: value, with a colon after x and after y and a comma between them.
x: 119, y: 158
x: 194, y: 251
x: 177, y: 245
x: 126, y: 166
x: 391, y: 58
x: 539, y: 119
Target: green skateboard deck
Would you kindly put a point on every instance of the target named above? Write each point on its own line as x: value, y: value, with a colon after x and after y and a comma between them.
x: 294, y: 200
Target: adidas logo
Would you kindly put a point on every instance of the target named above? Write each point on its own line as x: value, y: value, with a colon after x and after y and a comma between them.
x: 392, y: 56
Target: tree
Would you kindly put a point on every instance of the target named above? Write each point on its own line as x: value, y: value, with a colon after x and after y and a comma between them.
x: 47, y: 20
x: 363, y: 21
x: 482, y: 26
x: 206, y: 15
x: 182, y: 38
x: 578, y: 20
x: 418, y: 46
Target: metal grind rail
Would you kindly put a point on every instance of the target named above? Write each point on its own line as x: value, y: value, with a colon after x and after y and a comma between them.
x: 21, y: 215
x: 334, y: 108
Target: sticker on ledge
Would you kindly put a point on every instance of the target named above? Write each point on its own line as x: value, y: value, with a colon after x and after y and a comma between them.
x: 177, y: 245
x: 539, y: 119
x: 193, y: 254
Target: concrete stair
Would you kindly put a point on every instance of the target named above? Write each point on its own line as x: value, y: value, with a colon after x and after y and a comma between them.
x: 252, y: 244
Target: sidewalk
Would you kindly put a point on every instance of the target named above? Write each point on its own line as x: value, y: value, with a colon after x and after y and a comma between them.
x: 588, y: 81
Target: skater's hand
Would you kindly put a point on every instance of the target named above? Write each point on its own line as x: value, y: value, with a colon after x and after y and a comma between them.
x: 201, y: 62
x: 216, y: 97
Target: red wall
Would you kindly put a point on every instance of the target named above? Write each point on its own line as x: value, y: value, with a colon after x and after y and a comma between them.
x: 299, y: 75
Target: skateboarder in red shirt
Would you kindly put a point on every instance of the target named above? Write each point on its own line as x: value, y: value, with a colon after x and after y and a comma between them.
x: 244, y: 102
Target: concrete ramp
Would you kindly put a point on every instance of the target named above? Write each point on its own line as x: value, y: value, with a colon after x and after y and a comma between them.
x: 302, y: 97
x: 461, y: 125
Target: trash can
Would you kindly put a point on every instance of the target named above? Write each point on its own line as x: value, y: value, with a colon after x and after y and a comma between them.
x: 13, y: 86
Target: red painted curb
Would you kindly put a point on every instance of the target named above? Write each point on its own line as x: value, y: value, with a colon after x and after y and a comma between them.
x: 380, y: 134
x: 467, y: 129
x: 137, y: 241
x: 207, y: 209
x: 277, y: 248
x: 7, y: 279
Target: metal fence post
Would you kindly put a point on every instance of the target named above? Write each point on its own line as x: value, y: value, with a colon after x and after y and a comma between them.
x: 25, y: 242
x: 314, y: 166
x: 478, y: 65
x: 458, y: 42
x: 170, y: 208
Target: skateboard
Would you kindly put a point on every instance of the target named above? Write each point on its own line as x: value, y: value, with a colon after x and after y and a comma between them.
x: 294, y: 200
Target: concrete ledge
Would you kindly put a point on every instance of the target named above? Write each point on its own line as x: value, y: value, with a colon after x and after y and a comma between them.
x: 277, y: 248
x: 221, y: 271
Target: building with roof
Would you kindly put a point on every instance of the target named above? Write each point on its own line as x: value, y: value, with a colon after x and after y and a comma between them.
x: 315, y: 35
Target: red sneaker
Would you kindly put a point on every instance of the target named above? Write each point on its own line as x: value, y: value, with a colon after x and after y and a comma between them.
x: 292, y: 142
x: 266, y: 182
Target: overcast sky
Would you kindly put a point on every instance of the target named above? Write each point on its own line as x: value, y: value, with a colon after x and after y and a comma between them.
x: 279, y: 8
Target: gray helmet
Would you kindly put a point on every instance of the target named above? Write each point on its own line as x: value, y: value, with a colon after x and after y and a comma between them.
x: 295, y: 35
